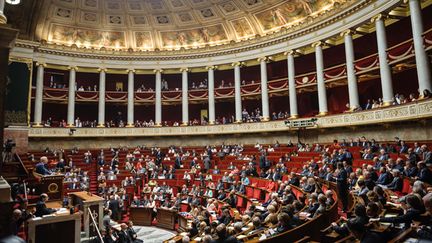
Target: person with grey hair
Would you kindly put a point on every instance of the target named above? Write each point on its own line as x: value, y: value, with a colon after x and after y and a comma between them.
x: 397, y: 183
x: 42, y: 166
x: 185, y: 239
x: 238, y: 227
x: 207, y: 239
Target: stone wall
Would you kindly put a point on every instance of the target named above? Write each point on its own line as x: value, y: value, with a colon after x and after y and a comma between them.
x: 409, y: 131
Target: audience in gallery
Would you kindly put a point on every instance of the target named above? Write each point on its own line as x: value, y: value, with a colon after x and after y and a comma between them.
x: 254, y: 116
x: 384, y: 167
x: 164, y: 86
x: 247, y: 117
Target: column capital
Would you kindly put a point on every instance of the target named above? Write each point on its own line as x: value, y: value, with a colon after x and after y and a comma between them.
x: 291, y: 52
x: 102, y: 69
x: 130, y: 70
x: 3, y: 19
x: 240, y: 64
x: 70, y: 68
x: 318, y: 43
x: 347, y: 32
x: 41, y: 64
x: 184, y: 69
x: 157, y: 71
x: 377, y: 17
x: 213, y: 67
x: 265, y: 59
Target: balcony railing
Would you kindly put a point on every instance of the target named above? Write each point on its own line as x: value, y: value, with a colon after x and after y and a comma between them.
x: 410, y: 111
x: 396, y: 54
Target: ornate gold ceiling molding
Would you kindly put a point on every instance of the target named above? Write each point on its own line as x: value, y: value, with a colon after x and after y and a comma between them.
x: 284, y: 35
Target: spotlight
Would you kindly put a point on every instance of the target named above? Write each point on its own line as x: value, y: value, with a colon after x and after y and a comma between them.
x: 13, y: 2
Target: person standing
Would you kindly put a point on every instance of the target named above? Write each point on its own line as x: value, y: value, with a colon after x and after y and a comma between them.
x: 342, y: 185
x: 114, y: 206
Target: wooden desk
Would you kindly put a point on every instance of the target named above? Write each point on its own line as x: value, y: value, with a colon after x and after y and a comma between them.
x: 141, y: 216
x: 54, y: 229
x: 166, y: 218
x: 88, y: 203
x: 183, y: 222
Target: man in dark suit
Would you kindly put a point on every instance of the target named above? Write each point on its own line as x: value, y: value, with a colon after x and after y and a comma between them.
x: 397, y: 183
x: 384, y: 177
x: 41, y: 208
x: 178, y: 162
x: 342, y: 185
x: 424, y: 173
x: 207, y: 164
x: 293, y: 179
x: 41, y: 167
x: 427, y: 155
x: 132, y: 233
x: 114, y: 206
x: 123, y: 235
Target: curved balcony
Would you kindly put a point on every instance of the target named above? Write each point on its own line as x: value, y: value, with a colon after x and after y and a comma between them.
x: 410, y: 111
x: 398, y: 56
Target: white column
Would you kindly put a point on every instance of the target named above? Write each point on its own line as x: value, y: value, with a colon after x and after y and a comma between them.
x: 264, y: 89
x: 211, y: 95
x: 322, y: 93
x: 3, y: 19
x: 101, y: 104
x: 350, y: 69
x: 130, y: 98
x: 39, y: 95
x: 158, y: 98
x: 71, y: 97
x: 237, y: 92
x: 422, y: 61
x: 385, y: 71
x: 185, y: 98
x: 292, y: 85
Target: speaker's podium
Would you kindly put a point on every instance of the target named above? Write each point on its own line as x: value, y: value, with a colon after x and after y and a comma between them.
x: 58, y: 227
x: 52, y: 185
x: 88, y: 203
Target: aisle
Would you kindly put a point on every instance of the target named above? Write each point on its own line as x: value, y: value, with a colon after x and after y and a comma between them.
x: 153, y: 234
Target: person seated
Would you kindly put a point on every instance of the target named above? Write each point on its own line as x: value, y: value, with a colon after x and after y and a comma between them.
x: 397, y: 183
x: 41, y: 167
x: 284, y: 222
x: 313, y: 203
x: 110, y: 236
x: 41, y: 208
x: 322, y: 200
x: 256, y: 224
x: 413, y: 208
x: 226, y: 217
x: 361, y: 217
x: 363, y: 234
x: 271, y: 215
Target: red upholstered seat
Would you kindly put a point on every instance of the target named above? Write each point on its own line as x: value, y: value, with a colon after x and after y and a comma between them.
x: 249, y: 192
x: 406, y: 189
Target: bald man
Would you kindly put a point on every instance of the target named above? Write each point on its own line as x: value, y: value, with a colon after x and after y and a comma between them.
x: 41, y: 208
x: 41, y: 167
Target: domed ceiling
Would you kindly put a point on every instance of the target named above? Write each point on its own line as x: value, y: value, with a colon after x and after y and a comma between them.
x: 170, y: 24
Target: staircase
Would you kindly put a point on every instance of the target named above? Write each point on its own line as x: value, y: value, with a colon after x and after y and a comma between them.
x: 14, y: 171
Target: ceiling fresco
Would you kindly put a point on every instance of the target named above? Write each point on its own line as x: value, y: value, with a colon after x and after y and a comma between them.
x: 170, y: 24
